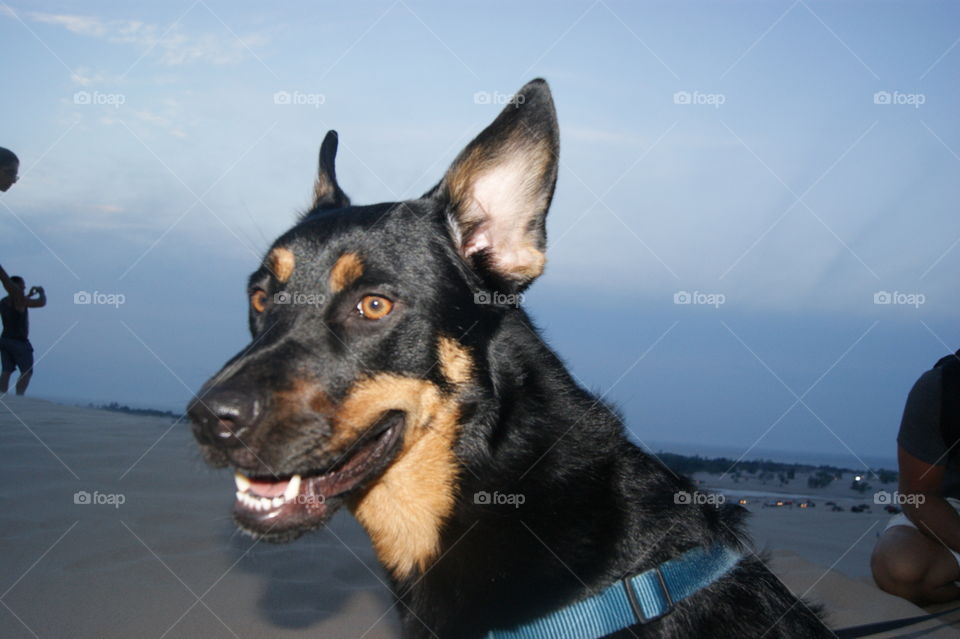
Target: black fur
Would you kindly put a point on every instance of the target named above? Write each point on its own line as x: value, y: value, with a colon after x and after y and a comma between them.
x: 595, y: 507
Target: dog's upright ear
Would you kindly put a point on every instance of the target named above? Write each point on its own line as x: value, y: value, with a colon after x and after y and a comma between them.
x: 326, y: 192
x: 499, y: 188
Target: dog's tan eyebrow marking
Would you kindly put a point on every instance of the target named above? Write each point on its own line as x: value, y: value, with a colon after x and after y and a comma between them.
x: 346, y: 271
x: 281, y: 263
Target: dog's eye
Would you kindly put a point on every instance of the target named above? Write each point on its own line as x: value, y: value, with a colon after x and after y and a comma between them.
x: 374, y: 307
x: 258, y: 300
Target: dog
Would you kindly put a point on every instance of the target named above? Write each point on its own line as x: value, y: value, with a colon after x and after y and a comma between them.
x: 392, y: 371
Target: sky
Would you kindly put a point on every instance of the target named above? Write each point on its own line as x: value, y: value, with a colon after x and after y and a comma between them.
x: 754, y: 238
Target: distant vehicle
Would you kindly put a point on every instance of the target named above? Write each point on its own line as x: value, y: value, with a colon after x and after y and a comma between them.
x: 806, y: 503
x: 773, y: 503
x: 860, y: 508
x: 893, y: 510
x: 836, y: 509
x: 830, y: 503
x: 743, y: 502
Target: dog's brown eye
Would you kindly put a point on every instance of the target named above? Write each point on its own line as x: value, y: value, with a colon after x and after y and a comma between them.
x: 258, y: 300
x: 374, y: 307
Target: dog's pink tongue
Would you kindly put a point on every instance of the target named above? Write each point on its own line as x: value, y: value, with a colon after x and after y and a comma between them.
x: 268, y: 489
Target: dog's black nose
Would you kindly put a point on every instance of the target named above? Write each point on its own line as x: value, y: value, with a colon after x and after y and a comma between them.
x: 222, y: 417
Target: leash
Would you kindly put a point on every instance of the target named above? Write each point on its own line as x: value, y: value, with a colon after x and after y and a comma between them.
x: 868, y: 629
x: 638, y: 599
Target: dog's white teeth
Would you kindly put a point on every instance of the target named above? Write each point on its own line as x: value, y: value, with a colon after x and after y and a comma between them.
x: 247, y: 500
x: 256, y: 502
x: 243, y: 484
x: 293, y: 488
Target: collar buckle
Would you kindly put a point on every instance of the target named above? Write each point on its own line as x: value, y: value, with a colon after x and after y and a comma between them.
x: 637, y: 607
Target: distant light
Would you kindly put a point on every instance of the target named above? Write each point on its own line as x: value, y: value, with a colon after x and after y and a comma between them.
x: 858, y: 478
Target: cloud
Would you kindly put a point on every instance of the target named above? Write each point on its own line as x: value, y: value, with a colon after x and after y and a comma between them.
x: 173, y: 45
x: 85, y: 77
x: 168, y: 124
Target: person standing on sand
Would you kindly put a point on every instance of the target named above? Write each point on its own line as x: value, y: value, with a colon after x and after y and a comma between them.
x: 918, y: 554
x: 15, y: 348
x: 9, y: 167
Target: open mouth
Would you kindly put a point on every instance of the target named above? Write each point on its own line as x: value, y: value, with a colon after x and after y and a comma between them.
x: 283, y: 508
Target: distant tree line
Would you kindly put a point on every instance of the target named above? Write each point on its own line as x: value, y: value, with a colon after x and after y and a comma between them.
x: 820, y: 479
x: 148, y: 412
x: 764, y: 469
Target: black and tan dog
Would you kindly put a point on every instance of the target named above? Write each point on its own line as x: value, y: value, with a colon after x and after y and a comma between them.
x: 392, y: 371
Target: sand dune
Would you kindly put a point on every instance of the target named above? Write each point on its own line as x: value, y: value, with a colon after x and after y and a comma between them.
x: 113, y: 527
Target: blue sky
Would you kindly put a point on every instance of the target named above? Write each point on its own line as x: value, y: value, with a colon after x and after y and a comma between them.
x: 781, y: 165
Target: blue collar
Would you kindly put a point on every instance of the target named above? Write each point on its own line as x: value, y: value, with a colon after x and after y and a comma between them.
x: 632, y: 600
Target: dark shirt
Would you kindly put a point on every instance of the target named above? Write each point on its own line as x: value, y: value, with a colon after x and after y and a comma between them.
x: 920, y: 430
x: 16, y: 325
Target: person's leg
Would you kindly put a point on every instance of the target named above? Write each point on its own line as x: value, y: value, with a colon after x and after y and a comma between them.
x: 23, y: 381
x: 908, y: 564
x: 25, y: 363
x: 8, y: 365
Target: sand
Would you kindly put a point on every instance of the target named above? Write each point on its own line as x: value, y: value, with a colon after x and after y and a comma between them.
x: 153, y: 553
x: 167, y: 562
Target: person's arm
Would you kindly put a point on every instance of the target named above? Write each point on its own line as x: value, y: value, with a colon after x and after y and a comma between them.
x: 41, y: 299
x: 16, y: 295
x: 921, y: 482
x: 7, y: 283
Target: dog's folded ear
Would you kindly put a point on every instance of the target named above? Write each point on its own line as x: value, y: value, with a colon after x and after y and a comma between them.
x: 326, y: 192
x: 499, y: 188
